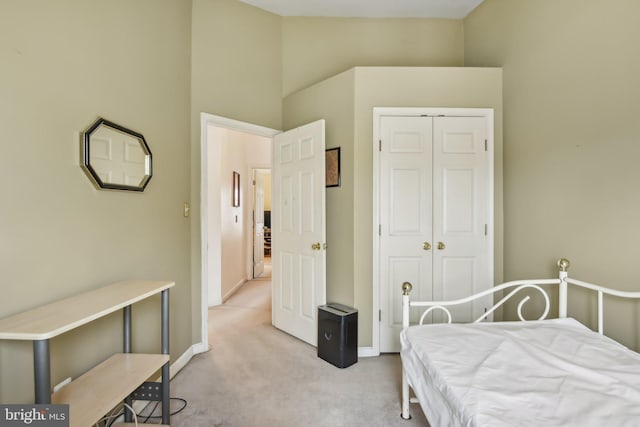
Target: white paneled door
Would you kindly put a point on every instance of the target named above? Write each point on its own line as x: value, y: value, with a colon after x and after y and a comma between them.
x: 434, y: 196
x: 405, y: 218
x: 298, y: 230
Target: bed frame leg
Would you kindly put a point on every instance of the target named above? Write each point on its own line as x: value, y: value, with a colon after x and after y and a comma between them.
x: 405, y: 398
x: 406, y: 289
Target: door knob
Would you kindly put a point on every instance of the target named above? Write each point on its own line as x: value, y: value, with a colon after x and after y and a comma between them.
x: 315, y: 246
x: 426, y: 246
x: 441, y: 245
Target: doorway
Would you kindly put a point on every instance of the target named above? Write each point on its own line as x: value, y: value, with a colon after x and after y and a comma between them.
x: 212, y: 185
x: 300, y: 149
x: 261, y: 230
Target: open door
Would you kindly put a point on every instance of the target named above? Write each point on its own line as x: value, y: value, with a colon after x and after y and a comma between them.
x: 258, y: 223
x: 298, y: 230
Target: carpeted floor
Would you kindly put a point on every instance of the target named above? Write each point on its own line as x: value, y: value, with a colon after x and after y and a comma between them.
x: 256, y: 375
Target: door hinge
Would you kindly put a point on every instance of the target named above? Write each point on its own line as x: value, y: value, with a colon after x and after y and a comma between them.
x: 486, y: 147
x: 379, y: 229
x: 254, y: 182
x: 486, y: 230
x: 379, y: 315
x: 379, y: 145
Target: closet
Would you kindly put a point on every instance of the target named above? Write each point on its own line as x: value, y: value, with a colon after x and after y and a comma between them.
x: 435, y: 212
x: 353, y: 104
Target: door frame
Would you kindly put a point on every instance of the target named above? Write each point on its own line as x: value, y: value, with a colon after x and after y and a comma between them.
x: 215, y: 287
x: 378, y: 113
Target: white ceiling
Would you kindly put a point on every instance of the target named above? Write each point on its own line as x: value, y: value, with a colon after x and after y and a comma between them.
x: 452, y: 9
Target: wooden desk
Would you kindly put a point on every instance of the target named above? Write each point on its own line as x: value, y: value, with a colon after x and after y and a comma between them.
x: 93, y: 394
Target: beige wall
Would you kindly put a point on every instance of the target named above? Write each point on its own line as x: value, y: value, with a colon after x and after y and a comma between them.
x: 236, y: 62
x: 346, y: 101
x: 314, y: 49
x: 571, y: 140
x: 332, y: 100
x: 240, y: 153
x: 267, y: 190
x: 63, y: 64
x: 234, y: 250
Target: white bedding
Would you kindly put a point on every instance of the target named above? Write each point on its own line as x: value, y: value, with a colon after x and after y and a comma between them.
x: 538, y: 373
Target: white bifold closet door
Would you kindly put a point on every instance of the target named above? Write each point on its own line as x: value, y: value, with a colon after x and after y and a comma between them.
x: 435, y: 200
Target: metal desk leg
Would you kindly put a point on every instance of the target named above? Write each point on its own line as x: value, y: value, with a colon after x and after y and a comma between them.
x: 42, y: 371
x: 165, y: 350
x: 126, y: 326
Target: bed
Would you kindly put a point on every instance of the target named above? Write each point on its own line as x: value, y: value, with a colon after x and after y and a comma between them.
x: 522, y: 373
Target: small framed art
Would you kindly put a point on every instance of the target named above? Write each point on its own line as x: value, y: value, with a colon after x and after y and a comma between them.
x: 235, y: 194
x: 332, y: 167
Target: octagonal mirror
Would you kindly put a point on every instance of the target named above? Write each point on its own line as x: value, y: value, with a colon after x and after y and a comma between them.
x: 115, y: 157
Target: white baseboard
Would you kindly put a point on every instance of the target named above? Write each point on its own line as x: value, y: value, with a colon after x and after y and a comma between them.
x: 174, y: 368
x: 200, y: 348
x: 367, y: 352
x: 233, y: 290
x: 182, y: 361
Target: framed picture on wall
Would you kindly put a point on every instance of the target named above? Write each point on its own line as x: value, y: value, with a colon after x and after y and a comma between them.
x: 332, y: 167
x: 235, y: 194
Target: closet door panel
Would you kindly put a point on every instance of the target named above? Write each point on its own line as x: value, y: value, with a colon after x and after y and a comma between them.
x: 460, y: 211
x: 405, y: 217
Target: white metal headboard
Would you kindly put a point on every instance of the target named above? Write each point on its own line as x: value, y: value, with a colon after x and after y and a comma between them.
x: 516, y: 286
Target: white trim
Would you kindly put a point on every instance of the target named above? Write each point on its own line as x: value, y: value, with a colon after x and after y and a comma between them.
x: 378, y: 113
x: 375, y: 328
x: 200, y: 347
x: 207, y: 120
x: 233, y: 290
x: 431, y: 111
x: 183, y: 360
x: 367, y: 352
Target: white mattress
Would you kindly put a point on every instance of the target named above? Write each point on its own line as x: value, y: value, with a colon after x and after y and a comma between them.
x: 549, y: 372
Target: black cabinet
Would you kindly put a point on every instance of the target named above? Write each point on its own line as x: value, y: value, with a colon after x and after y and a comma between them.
x: 338, y: 334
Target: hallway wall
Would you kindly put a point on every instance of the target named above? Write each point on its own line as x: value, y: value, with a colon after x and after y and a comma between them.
x: 233, y: 151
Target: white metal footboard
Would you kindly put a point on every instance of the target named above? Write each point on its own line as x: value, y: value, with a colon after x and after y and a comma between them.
x: 511, y: 289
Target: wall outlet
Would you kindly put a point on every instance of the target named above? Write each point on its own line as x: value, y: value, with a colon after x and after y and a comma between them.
x: 61, y: 384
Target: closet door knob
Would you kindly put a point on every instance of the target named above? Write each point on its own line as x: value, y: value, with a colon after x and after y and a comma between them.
x: 441, y: 245
x: 426, y: 246
x: 315, y: 246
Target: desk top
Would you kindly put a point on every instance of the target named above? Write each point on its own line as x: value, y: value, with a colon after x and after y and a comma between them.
x: 50, y: 320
